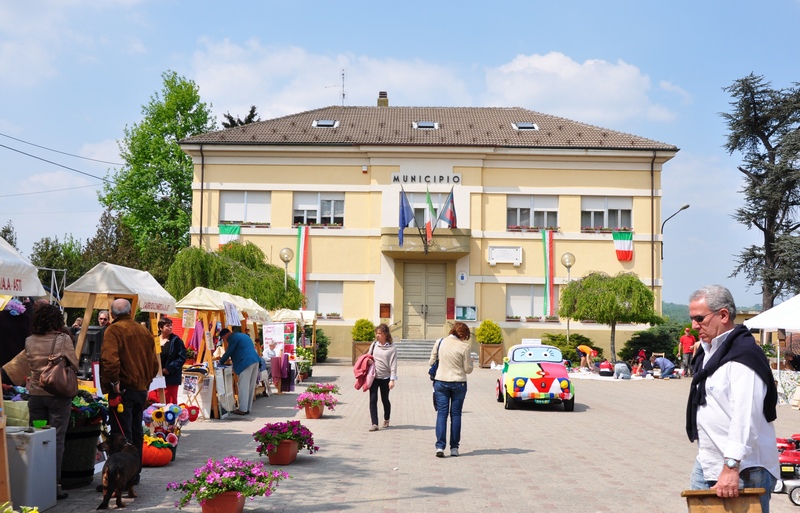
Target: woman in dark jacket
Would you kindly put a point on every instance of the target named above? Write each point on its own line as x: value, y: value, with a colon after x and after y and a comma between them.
x: 49, y: 337
x: 173, y: 356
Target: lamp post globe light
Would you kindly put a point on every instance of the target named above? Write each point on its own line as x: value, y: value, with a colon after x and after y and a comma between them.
x: 286, y: 254
x: 568, y: 260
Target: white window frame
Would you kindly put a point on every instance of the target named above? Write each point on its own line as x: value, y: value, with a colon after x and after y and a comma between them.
x: 418, y: 204
x: 254, y: 207
x: 527, y: 300
x: 607, y: 212
x: 525, y: 209
x: 325, y: 297
x: 309, y: 206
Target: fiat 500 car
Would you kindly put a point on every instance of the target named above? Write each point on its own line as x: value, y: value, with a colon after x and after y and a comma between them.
x: 535, y: 373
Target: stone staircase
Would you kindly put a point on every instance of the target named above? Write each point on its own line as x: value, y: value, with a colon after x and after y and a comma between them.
x: 414, y: 349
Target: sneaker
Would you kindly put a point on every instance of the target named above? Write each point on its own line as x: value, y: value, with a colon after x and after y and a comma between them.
x: 374, y: 427
x: 454, y: 451
x: 385, y: 424
x: 440, y: 453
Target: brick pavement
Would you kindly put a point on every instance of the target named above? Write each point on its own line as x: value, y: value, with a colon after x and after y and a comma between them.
x: 622, y: 449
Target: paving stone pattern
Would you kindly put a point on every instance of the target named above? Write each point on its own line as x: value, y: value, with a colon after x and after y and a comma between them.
x: 623, y: 449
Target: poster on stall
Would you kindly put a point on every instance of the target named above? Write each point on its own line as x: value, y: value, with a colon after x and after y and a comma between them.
x: 231, y: 314
x: 274, y: 332
x: 189, y: 317
x: 288, y: 333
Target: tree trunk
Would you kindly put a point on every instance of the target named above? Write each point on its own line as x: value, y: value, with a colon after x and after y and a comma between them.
x: 613, y: 334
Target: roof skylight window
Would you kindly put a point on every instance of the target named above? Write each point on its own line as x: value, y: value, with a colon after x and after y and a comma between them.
x: 325, y: 123
x: 524, y: 125
x: 426, y: 125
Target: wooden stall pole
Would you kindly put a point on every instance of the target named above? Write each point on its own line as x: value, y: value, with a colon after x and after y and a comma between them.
x: 87, y: 316
x: 154, y: 318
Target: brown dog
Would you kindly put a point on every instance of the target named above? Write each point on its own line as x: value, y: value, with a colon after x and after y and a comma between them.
x: 119, y: 470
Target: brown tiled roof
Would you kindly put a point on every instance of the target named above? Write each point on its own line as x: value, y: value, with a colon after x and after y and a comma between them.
x: 458, y: 126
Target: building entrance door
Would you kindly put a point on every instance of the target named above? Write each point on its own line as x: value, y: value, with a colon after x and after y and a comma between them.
x: 424, y: 302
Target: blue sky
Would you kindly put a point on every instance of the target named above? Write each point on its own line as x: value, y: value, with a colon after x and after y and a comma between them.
x: 74, y: 73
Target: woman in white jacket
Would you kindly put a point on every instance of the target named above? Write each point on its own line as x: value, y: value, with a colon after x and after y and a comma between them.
x: 385, y: 354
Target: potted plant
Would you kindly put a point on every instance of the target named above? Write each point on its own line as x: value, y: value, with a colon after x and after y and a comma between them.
x: 225, y: 483
x: 191, y: 356
x: 314, y: 404
x: 304, y: 367
x: 363, y: 335
x: 490, y: 337
x: 323, y: 388
x: 551, y: 318
x: 333, y: 315
x: 533, y: 318
x: 512, y: 318
x: 514, y: 228
x: 280, y: 441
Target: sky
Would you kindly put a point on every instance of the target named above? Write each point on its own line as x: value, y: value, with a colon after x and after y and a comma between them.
x: 75, y: 73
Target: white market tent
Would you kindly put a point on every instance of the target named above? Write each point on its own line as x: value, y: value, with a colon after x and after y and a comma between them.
x: 785, y: 316
x: 18, y: 277
x: 301, y: 316
x: 105, y: 282
x: 201, y: 298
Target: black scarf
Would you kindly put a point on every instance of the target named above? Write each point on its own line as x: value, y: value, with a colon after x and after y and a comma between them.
x: 738, y: 346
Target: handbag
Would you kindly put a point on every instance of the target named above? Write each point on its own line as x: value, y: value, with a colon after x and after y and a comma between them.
x: 59, y: 378
x: 435, y: 366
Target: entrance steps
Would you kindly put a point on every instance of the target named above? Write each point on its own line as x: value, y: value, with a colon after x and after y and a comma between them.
x: 414, y: 349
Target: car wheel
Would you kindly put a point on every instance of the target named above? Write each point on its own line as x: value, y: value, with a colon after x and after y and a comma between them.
x: 498, y: 390
x: 570, y: 404
x: 794, y: 496
x: 509, y: 403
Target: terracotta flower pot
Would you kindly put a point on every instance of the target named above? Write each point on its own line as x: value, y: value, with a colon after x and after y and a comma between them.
x: 284, y: 454
x: 314, y: 412
x: 225, y: 502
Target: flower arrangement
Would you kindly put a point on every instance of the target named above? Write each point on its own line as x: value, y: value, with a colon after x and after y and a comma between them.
x: 271, y: 434
x: 15, y: 307
x: 247, y: 478
x: 166, y: 421
x: 191, y: 354
x: 323, y: 388
x: 308, y: 399
x: 87, y: 408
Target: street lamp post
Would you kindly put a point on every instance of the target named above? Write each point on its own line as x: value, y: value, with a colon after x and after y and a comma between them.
x: 568, y: 260
x: 665, y: 222
x: 286, y: 255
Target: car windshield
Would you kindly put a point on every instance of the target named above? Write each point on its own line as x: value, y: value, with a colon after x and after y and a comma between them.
x: 536, y: 354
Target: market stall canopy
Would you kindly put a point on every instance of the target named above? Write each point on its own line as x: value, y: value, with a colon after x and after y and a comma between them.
x: 109, y: 280
x: 201, y: 298
x: 301, y: 316
x: 18, y: 277
x: 785, y: 316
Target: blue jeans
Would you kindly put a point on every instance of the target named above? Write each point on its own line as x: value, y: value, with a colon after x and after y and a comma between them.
x: 449, y: 397
x: 758, y: 477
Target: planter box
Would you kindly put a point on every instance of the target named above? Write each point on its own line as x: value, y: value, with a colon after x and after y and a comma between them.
x: 509, y: 319
x: 533, y: 319
x: 360, y: 348
x: 329, y: 317
x: 490, y: 353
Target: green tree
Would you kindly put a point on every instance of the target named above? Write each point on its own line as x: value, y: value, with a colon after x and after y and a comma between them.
x: 236, y: 268
x: 231, y: 122
x: 55, y: 254
x: 9, y: 234
x: 609, y: 300
x: 659, y: 339
x: 764, y: 126
x: 567, y: 348
x: 153, y: 190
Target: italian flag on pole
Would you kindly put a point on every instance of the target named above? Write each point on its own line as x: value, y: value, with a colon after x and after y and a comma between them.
x: 623, y: 243
x: 430, y: 217
x: 301, y: 256
x: 549, y: 269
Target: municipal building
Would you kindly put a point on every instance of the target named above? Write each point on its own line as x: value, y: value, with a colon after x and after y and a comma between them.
x: 519, y: 189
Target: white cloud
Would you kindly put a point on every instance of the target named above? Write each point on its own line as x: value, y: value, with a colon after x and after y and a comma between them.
x: 669, y: 87
x: 106, y: 150
x: 595, y: 91
x: 287, y: 80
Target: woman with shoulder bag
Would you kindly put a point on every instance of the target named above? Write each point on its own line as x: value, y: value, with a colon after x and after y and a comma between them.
x: 450, y: 385
x: 49, y: 337
x: 385, y: 355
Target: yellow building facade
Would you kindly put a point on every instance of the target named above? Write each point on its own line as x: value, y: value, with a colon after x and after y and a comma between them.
x: 513, y: 174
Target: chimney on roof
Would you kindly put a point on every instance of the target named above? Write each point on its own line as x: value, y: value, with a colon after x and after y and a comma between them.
x: 383, y: 99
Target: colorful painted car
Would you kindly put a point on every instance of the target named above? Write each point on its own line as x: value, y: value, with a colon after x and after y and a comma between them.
x: 535, y: 373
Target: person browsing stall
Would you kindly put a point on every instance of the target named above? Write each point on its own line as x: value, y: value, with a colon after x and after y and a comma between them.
x: 732, y: 402
x: 242, y: 353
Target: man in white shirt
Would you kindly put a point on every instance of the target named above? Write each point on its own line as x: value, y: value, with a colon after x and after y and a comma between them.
x: 732, y: 402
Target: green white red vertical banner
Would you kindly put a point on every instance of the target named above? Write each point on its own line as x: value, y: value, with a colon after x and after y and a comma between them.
x: 229, y: 233
x: 549, y: 269
x: 302, y: 258
x: 623, y: 243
